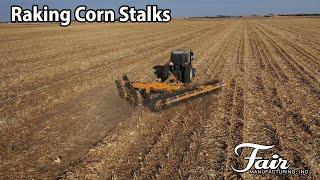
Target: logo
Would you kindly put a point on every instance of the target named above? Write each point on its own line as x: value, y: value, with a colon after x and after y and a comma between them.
x: 259, y: 165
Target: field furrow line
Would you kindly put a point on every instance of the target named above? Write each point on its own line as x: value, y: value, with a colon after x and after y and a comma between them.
x: 264, y: 53
x: 269, y: 128
x: 298, y: 71
x: 216, y: 162
x: 234, y: 119
x: 273, y: 97
x: 159, y: 155
x: 293, y: 61
x: 240, y: 50
x: 134, y: 156
x: 312, y: 61
x: 144, y: 148
x: 255, y: 52
x: 310, y: 38
x: 270, y: 96
x: 180, y: 149
x: 213, y: 68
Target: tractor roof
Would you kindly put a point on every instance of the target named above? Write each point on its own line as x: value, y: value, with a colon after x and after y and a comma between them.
x: 180, y: 52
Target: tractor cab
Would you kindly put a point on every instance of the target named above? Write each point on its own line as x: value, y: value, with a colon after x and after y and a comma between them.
x: 178, y: 69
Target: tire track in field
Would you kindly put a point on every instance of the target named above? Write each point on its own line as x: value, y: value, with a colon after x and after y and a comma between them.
x: 181, y: 148
x: 164, y: 146
x: 175, y: 135
x: 234, y: 110
x: 192, y: 165
x: 144, y: 146
x: 236, y: 135
x: 234, y: 118
x: 155, y: 159
x: 256, y: 53
x: 240, y: 50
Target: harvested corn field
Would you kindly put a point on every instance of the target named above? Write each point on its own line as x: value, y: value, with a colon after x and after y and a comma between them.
x: 60, y: 115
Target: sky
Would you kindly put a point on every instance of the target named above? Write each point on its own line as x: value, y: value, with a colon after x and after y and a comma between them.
x: 179, y: 8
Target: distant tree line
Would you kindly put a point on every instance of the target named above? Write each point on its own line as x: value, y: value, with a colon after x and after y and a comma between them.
x: 299, y: 15
x: 253, y: 15
x: 214, y: 17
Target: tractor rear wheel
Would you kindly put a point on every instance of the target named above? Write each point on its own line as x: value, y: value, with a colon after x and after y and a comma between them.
x: 188, y: 74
